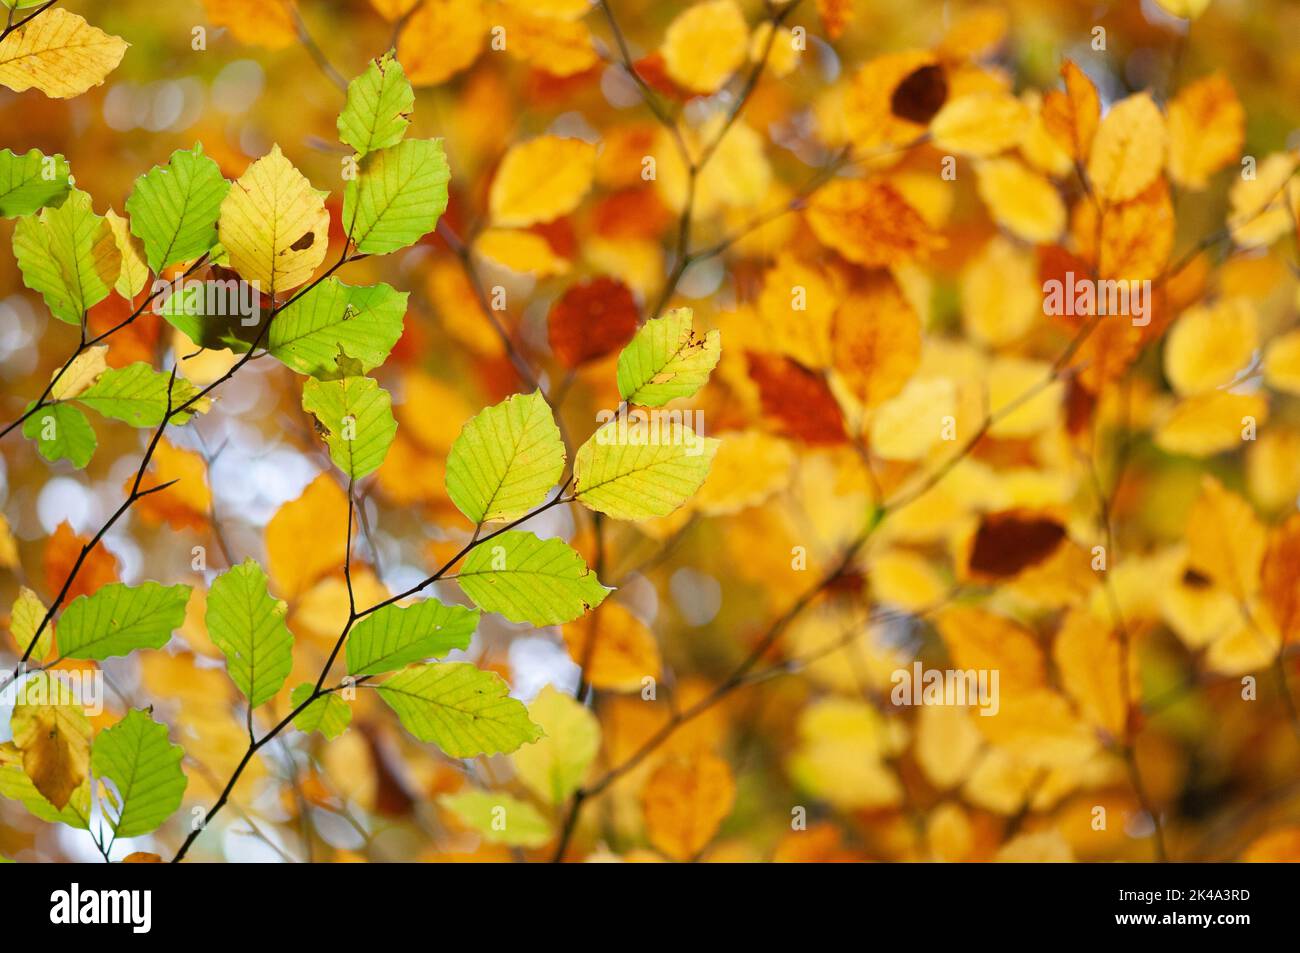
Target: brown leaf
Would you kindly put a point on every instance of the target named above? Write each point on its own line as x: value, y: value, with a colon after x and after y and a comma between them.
x: 922, y: 94
x: 1280, y: 577
x: 592, y: 319
x: 1008, y: 542
x: 799, y: 399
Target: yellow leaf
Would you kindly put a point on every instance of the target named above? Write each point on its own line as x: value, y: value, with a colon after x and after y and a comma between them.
x: 1207, y: 127
x: 135, y: 270
x: 876, y: 341
x: 440, y: 39
x: 1271, y: 473
x: 54, y: 739
x: 870, y: 223
x: 555, y: 765
x: 947, y: 744
x: 1187, y: 9
x: 24, y: 619
x: 977, y: 639
x: 540, y: 180
x: 560, y: 9
x: 58, y: 53
x: 188, y: 501
x: 524, y: 252
x: 1280, y: 582
x: 1071, y: 115
x: 1000, y: 294
x: 1258, y: 213
x: 981, y: 124
x: 1129, y: 149
x: 795, y: 309
x: 319, y: 514
x: 1010, y: 379
x: 1225, y: 539
x: 907, y: 426
x: 556, y: 46
x: 81, y: 373
x: 705, y: 44
x: 624, y: 652
x: 843, y: 744
x: 1208, y: 346
x: 783, y: 57
x: 749, y: 467
x: 685, y: 801
x: 1211, y: 423
x: 274, y: 225
x: 8, y: 545
x: 1039, y: 847
x: 267, y: 23
x: 1088, y: 657
x: 1282, y: 363
x: 1020, y: 199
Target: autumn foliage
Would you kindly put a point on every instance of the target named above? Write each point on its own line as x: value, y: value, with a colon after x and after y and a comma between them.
x: 552, y: 430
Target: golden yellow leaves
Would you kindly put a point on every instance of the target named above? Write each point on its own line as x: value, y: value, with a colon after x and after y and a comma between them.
x: 1072, y: 115
x: 1263, y: 208
x: 274, y: 225
x: 440, y: 39
x: 256, y: 21
x: 320, y: 514
x: 1129, y: 149
x: 705, y: 44
x: 980, y: 124
x: 616, y: 649
x: 540, y: 180
x: 1208, y: 346
x: 1206, y: 129
x: 870, y: 223
x: 58, y: 53
x: 876, y: 341
x: 1020, y: 199
x: 685, y: 801
x: 54, y: 740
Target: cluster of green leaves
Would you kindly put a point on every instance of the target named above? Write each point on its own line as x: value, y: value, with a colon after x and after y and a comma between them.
x: 505, y: 465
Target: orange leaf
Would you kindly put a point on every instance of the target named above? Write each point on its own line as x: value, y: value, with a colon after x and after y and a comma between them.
x: 685, y: 802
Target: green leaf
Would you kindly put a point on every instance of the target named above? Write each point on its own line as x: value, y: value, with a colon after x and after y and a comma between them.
x: 527, y: 579
x: 364, y: 322
x: 137, y: 395
x: 395, y: 636
x: 247, y: 624
x: 506, y: 459
x: 667, y: 360
x: 554, y: 767
x: 499, y: 818
x: 355, y: 418
x: 117, y: 619
x: 329, y: 714
x: 17, y: 786
x: 174, y: 208
x: 621, y: 477
x: 398, y: 197
x: 379, y: 102
x: 31, y: 181
x: 61, y: 432
x: 215, y: 313
x: 146, y: 770
x: 68, y: 255
x: 463, y: 710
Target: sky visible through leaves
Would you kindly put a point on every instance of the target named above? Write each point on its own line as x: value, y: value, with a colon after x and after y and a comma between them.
x: 740, y: 430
